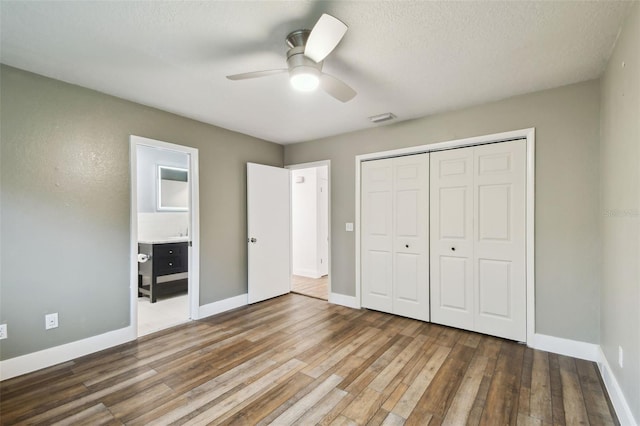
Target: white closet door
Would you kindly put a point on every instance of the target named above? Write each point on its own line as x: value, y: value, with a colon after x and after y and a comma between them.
x: 451, y: 217
x: 411, y: 237
x: 499, y: 224
x: 395, y: 235
x: 377, y: 234
x: 478, y: 276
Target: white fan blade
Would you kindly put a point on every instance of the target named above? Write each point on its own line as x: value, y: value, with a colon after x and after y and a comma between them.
x: 324, y: 37
x: 336, y: 88
x: 256, y: 74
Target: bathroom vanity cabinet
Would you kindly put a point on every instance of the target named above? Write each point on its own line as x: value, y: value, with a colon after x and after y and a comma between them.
x: 164, y: 259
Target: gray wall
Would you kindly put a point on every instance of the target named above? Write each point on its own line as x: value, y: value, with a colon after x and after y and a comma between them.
x: 620, y: 214
x: 149, y: 159
x: 567, y: 214
x: 65, y: 207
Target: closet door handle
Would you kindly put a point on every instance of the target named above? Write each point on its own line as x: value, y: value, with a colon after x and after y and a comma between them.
x: 406, y: 245
x: 453, y: 249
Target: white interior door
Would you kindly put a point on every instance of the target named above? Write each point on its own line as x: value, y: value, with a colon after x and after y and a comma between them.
x: 411, y: 236
x: 268, y: 231
x: 499, y: 224
x: 377, y: 234
x: 451, y: 216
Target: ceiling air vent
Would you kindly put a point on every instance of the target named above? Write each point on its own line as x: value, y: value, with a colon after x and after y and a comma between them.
x: 381, y: 117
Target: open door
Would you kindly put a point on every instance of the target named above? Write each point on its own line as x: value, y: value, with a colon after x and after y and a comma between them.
x: 268, y: 231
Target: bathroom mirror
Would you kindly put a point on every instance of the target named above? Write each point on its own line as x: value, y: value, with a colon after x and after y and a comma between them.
x: 173, y: 189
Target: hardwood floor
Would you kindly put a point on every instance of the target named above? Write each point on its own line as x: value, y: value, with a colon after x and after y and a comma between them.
x: 298, y: 360
x: 312, y: 287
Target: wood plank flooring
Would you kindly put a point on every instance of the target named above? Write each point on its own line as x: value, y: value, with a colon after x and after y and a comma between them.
x: 312, y: 287
x: 298, y: 360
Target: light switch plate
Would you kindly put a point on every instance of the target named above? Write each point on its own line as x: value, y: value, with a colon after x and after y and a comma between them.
x: 3, y: 331
x: 349, y: 227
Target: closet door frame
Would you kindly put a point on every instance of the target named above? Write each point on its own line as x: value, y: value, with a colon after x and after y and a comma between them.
x: 529, y: 135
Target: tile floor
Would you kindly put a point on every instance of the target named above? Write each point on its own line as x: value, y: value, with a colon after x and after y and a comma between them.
x: 166, y: 312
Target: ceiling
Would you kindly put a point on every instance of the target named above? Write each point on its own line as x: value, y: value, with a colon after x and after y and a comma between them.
x: 411, y: 58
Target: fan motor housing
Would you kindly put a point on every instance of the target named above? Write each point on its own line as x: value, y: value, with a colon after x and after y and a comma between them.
x: 298, y: 38
x: 296, y: 59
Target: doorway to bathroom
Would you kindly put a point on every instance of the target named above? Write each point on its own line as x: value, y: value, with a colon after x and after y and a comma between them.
x: 164, y: 231
x: 310, y: 230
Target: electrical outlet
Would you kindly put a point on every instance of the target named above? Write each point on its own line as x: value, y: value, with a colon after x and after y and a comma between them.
x: 51, y: 321
x: 3, y: 331
x: 620, y: 357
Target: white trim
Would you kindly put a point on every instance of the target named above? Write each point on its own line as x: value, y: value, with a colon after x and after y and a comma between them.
x: 529, y: 135
x: 223, y: 305
x: 47, y: 357
x: 343, y: 300
x: 530, y: 215
x: 194, y: 224
x: 309, y: 273
x: 358, y: 301
x: 567, y: 347
x: 309, y: 166
x: 133, y: 235
x: 456, y: 143
x: 623, y: 411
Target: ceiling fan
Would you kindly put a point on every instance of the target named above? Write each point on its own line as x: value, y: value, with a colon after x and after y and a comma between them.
x: 307, y: 51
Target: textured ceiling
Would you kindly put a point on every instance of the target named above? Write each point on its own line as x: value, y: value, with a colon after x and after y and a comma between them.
x: 412, y: 58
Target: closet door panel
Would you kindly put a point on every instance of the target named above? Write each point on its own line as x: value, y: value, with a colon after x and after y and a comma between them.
x: 411, y: 236
x: 451, y: 222
x: 500, y: 273
x: 377, y: 234
x: 453, y: 284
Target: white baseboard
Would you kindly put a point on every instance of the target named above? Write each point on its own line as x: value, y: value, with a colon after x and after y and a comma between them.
x: 341, y: 299
x: 615, y: 393
x: 47, y: 357
x: 223, y: 305
x: 309, y: 273
x: 573, y: 348
x: 590, y: 352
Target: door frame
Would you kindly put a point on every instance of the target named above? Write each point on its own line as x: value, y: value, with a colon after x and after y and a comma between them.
x: 529, y: 135
x: 311, y: 165
x: 193, y: 273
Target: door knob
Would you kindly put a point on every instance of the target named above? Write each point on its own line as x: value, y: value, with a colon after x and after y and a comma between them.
x: 453, y: 249
x: 406, y: 245
x: 252, y: 240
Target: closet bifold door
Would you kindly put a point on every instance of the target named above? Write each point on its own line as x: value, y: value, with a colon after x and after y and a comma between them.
x: 377, y: 234
x: 394, y: 229
x: 499, y: 227
x: 478, y: 204
x: 451, y: 215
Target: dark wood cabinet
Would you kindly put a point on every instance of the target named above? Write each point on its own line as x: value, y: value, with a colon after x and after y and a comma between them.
x: 164, y: 259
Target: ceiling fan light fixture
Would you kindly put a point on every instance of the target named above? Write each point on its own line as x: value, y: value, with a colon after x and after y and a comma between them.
x: 305, y: 79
